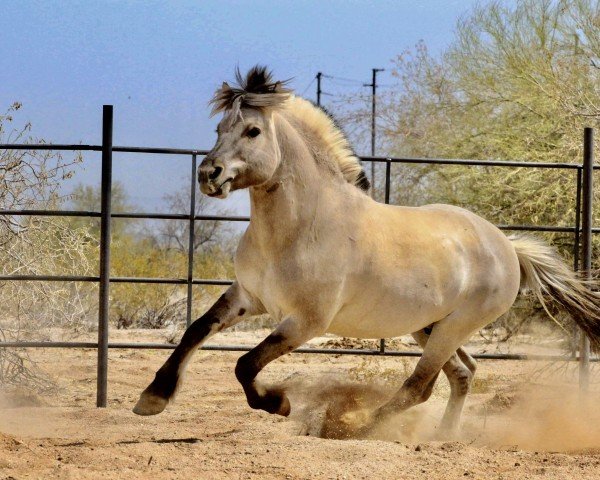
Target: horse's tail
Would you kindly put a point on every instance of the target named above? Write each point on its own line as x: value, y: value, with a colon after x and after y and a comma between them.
x: 548, y: 276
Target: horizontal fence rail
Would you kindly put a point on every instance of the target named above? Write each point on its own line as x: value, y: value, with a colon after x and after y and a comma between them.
x: 332, y: 351
x: 583, y: 174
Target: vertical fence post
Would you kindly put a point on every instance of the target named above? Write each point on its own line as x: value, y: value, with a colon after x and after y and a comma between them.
x: 576, y: 251
x: 586, y: 237
x: 104, y: 290
x: 190, y: 275
x: 388, y: 172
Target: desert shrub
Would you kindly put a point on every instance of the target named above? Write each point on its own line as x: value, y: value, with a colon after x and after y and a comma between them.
x: 36, y: 310
x: 157, y: 306
x: 38, y: 245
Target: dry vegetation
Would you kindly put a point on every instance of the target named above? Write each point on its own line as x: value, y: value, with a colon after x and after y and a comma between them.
x: 36, y: 246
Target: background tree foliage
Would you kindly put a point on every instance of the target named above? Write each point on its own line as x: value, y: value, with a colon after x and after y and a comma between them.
x: 37, y: 246
x: 156, y: 249
x: 517, y: 83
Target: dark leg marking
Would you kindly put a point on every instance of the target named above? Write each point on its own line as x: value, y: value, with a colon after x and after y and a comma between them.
x: 166, y: 378
x: 165, y: 381
x: 249, y: 365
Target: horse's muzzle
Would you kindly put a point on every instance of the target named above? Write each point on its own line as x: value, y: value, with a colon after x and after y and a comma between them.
x: 213, y: 180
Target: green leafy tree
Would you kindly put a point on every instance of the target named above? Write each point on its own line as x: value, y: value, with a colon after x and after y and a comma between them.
x: 516, y: 83
x: 87, y: 198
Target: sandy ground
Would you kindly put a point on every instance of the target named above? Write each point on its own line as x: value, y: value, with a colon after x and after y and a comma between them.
x: 522, y: 421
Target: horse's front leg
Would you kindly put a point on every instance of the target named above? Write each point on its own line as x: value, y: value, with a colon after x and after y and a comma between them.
x: 289, y: 335
x: 232, y: 307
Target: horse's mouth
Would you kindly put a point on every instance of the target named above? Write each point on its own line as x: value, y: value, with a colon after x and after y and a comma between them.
x: 223, y: 189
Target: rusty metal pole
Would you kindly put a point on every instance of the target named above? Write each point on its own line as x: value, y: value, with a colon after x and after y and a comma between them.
x: 576, y: 253
x: 104, y: 288
x: 191, y: 241
x: 388, y: 175
x: 586, y: 237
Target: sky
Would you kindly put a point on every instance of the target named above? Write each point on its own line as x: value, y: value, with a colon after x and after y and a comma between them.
x: 159, y: 63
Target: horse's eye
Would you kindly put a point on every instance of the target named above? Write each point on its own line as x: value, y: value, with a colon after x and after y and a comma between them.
x: 253, y: 132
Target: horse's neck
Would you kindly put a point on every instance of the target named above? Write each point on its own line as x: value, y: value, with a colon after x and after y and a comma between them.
x: 289, y: 202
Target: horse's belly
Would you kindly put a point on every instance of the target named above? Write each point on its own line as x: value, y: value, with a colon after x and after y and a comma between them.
x: 389, y: 314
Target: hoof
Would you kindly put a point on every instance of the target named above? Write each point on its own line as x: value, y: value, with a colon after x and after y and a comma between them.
x: 149, y: 404
x: 274, y: 402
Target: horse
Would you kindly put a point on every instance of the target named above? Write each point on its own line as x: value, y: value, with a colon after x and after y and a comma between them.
x: 321, y: 256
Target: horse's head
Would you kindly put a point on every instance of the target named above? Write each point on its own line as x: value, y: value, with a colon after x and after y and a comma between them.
x: 246, y: 152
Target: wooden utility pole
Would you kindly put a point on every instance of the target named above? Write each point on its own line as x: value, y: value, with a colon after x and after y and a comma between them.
x: 373, y: 86
x: 319, y: 75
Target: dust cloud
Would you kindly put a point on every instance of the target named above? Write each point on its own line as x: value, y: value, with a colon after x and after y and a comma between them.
x: 538, y: 417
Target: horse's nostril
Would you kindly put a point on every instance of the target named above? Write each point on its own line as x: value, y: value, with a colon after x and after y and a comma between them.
x: 215, y: 173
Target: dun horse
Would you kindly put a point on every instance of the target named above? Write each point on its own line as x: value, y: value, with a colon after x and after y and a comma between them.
x: 320, y: 256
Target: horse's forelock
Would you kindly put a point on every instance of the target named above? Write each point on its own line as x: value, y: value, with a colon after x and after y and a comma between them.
x: 257, y: 90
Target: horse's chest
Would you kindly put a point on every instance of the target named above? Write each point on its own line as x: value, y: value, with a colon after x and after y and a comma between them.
x: 259, y: 276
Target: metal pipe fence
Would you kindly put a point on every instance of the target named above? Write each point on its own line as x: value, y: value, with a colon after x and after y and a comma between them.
x: 582, y: 232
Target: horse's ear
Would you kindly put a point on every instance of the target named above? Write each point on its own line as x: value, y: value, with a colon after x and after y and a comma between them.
x: 222, y: 99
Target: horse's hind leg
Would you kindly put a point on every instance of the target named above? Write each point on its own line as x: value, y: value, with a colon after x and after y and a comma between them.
x: 446, y: 337
x: 460, y: 375
x: 232, y: 307
x: 460, y: 370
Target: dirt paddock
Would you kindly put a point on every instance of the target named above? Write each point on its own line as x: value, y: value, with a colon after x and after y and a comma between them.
x: 523, y: 420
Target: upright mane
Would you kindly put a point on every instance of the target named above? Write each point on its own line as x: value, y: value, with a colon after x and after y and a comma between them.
x: 259, y: 90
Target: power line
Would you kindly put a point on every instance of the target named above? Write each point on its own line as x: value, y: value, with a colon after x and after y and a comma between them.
x: 308, y: 86
x: 345, y: 84
x: 345, y: 79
